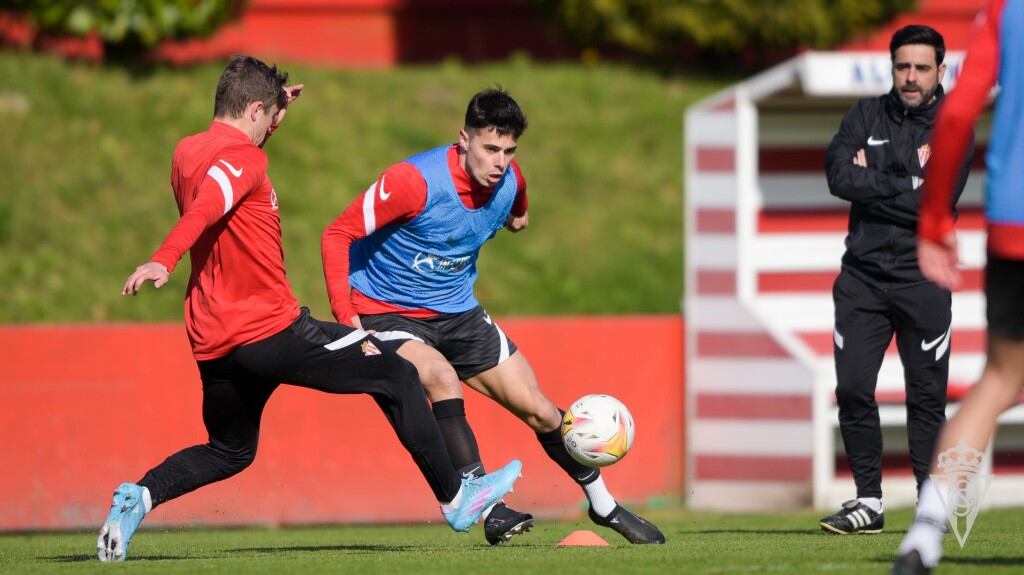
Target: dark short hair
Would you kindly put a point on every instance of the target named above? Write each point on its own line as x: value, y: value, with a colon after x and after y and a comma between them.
x: 918, y: 34
x: 247, y: 80
x: 495, y: 108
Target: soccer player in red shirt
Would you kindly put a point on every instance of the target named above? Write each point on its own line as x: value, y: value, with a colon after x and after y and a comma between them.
x: 995, y: 56
x: 247, y: 331
x: 402, y: 257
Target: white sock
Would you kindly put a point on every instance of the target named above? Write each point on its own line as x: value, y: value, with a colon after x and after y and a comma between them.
x: 453, y: 504
x: 873, y: 503
x: 925, y: 535
x: 601, y: 500
x: 147, y: 500
x: 929, y: 503
x: 926, y: 539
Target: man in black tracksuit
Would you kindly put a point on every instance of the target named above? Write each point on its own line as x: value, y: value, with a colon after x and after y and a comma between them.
x: 876, y: 162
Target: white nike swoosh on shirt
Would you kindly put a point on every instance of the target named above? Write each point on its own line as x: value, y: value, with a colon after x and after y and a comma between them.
x: 383, y: 196
x: 873, y: 142
x: 234, y: 172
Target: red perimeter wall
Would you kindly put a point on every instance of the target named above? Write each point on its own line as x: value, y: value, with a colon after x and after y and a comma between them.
x: 83, y: 408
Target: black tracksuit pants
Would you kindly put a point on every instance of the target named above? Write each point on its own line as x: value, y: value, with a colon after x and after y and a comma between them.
x: 310, y: 353
x: 867, y: 315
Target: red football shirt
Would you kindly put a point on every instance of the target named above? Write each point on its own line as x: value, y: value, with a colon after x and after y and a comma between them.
x: 237, y: 293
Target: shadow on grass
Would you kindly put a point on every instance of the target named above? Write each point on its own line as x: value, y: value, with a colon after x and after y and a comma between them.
x: 808, y: 532
x: 86, y: 558
x: 991, y: 561
x: 983, y: 560
x: 250, y: 550
x: 364, y: 548
x: 318, y: 548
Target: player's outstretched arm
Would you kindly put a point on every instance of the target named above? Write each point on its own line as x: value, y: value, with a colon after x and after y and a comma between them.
x: 147, y: 271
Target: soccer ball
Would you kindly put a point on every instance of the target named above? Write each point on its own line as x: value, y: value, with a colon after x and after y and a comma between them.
x: 597, y: 430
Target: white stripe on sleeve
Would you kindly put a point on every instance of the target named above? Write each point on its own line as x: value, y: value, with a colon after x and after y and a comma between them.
x: 225, y: 186
x: 369, y: 219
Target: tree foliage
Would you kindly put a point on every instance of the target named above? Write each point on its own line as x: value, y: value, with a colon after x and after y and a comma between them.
x: 666, y: 29
x: 136, y: 23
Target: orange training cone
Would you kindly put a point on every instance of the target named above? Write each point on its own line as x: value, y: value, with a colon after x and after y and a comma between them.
x: 583, y: 539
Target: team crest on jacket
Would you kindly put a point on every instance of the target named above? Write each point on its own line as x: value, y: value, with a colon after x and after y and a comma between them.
x: 370, y: 349
x: 923, y: 153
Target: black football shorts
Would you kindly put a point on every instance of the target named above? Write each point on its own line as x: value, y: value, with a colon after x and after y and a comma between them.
x: 471, y: 341
x: 1004, y: 295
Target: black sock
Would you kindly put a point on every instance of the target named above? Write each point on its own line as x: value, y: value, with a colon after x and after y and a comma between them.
x: 458, y: 436
x: 553, y: 446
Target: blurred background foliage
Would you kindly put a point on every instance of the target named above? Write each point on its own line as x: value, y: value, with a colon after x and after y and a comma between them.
x: 128, y: 27
x: 751, y: 32
x: 755, y: 31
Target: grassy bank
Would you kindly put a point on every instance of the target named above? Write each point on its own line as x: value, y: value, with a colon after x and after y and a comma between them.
x: 85, y: 155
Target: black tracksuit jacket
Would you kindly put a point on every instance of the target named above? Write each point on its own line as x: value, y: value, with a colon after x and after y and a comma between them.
x: 881, y: 245
x: 881, y: 290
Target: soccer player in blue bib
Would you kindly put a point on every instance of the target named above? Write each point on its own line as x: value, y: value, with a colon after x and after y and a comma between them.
x: 401, y: 260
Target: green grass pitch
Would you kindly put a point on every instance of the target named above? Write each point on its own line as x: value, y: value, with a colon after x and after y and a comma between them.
x: 703, y: 543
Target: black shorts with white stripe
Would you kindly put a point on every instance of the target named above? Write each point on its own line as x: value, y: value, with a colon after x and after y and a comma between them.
x: 471, y: 341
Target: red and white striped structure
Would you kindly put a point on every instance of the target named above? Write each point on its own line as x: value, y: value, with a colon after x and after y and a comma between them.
x: 764, y: 239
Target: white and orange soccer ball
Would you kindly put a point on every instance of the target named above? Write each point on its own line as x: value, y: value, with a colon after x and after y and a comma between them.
x: 597, y: 430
